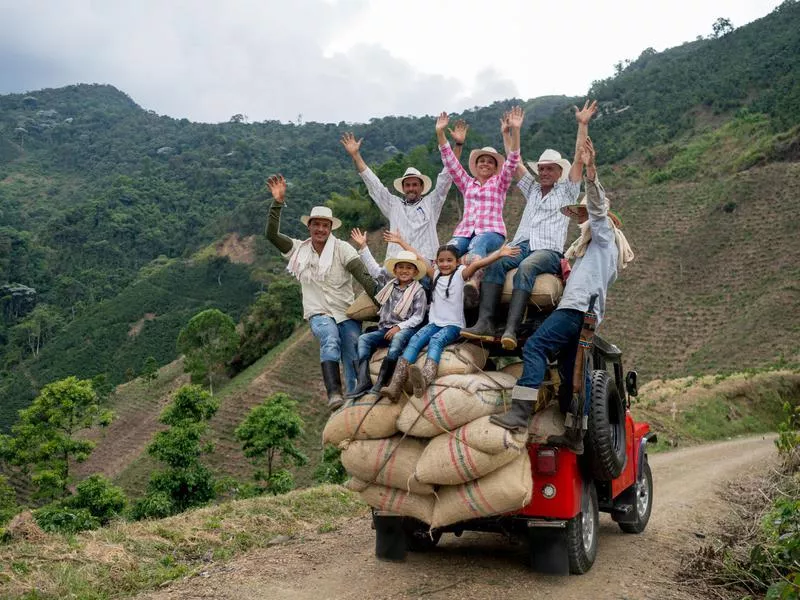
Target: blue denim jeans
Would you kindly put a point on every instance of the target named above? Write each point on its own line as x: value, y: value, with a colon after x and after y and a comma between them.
x: 529, y: 265
x: 482, y: 244
x: 557, y: 336
x: 437, y: 339
x: 339, y: 342
x: 369, y: 342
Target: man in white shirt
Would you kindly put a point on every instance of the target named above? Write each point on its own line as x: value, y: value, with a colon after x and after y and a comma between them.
x: 416, y: 213
x: 541, y: 234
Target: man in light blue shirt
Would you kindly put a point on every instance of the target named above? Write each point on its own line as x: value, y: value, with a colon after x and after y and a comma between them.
x: 601, y: 251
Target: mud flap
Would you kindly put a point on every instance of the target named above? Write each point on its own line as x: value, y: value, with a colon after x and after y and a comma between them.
x: 390, y: 540
x: 548, y: 551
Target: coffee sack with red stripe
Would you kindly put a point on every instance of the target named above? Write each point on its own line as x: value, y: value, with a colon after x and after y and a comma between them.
x: 388, y: 462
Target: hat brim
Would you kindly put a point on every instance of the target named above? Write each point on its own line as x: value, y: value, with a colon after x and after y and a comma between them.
x: 335, y: 223
x: 422, y: 268
x: 476, y: 154
x: 577, y: 211
x: 563, y: 163
x: 427, y: 184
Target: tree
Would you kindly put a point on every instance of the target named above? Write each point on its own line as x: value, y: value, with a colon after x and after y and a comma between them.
x: 721, y: 27
x: 268, y: 435
x: 8, y: 501
x: 187, y: 482
x: 44, y: 439
x: 208, y: 341
x: 150, y: 369
x: 37, y: 328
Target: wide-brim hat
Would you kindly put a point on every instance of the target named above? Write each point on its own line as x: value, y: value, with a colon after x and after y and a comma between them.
x: 577, y: 211
x: 552, y: 157
x: 478, y: 152
x: 412, y: 172
x: 404, y: 256
x: 322, y: 212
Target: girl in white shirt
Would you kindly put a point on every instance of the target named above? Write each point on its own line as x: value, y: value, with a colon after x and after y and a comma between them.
x: 445, y: 321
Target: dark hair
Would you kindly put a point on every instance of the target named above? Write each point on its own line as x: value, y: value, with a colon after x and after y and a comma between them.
x: 454, y: 251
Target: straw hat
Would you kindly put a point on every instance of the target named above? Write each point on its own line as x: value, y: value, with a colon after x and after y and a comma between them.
x: 412, y: 172
x: 577, y: 211
x: 552, y: 157
x: 404, y: 256
x: 477, y: 153
x: 322, y: 212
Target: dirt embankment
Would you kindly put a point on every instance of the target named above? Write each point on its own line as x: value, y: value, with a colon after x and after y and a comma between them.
x: 341, y: 564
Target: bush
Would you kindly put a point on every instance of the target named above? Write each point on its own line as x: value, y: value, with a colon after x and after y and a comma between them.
x: 100, y: 497
x: 330, y: 470
x: 57, y: 518
x: 155, y: 505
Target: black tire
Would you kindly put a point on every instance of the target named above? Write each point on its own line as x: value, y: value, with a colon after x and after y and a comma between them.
x: 418, y: 536
x: 606, y: 435
x: 643, y: 501
x: 582, y: 532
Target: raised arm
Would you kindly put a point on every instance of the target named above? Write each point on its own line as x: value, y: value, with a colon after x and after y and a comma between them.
x: 582, y: 116
x: 459, y: 135
x: 353, y: 147
x: 596, y: 204
x: 277, y: 187
x: 460, y: 177
x: 504, y: 250
x: 364, y: 253
x: 393, y: 236
x: 505, y: 130
x: 514, y: 123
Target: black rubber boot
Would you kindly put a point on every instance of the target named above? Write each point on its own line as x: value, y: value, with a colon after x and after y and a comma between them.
x: 333, y: 383
x: 364, y: 382
x: 518, y: 418
x: 484, y: 327
x: 572, y: 440
x: 384, y: 375
x: 519, y: 301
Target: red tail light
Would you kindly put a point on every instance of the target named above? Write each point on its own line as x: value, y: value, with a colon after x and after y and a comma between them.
x: 546, y: 461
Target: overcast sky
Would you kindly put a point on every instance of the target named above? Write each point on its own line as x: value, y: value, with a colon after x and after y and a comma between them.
x: 339, y: 60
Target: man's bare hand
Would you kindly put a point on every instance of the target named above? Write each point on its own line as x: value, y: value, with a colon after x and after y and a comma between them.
x: 585, y: 114
x: 277, y: 187
x: 359, y: 237
x: 459, y: 132
x: 351, y: 145
x: 588, y: 153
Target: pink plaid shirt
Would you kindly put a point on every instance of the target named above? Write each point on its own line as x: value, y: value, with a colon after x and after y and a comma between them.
x: 483, y: 204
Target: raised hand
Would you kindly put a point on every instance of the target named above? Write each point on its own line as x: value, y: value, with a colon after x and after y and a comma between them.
x: 505, y: 128
x: 585, y: 114
x: 393, y: 237
x: 441, y: 122
x: 515, y: 117
x: 277, y: 187
x: 588, y: 153
x: 351, y: 145
x: 359, y: 237
x: 459, y: 132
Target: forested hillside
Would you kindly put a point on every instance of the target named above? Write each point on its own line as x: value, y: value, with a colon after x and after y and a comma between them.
x: 104, y: 207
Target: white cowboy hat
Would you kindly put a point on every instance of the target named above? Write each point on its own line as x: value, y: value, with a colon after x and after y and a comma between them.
x: 575, y: 211
x: 475, y: 154
x: 404, y: 256
x: 322, y: 212
x: 412, y: 172
x: 550, y: 157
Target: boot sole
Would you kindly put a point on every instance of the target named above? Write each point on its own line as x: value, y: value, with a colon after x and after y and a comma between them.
x: 476, y: 336
x: 508, y: 343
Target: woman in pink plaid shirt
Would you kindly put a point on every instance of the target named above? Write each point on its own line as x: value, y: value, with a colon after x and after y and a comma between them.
x: 482, y: 229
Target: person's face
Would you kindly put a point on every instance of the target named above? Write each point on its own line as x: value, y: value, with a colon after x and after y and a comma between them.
x: 412, y: 188
x: 319, y: 230
x: 405, y: 272
x: 486, y: 166
x: 446, y: 262
x: 549, y: 174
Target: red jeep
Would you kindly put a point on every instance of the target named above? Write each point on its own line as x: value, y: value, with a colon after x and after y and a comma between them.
x: 562, y: 520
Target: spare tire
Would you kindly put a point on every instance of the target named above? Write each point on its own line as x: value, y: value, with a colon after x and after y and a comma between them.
x: 606, y: 436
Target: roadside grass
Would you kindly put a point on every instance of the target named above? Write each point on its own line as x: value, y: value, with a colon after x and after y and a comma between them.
x: 692, y: 410
x: 126, y: 558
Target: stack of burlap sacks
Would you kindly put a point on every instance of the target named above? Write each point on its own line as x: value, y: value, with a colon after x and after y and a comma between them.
x: 438, y: 458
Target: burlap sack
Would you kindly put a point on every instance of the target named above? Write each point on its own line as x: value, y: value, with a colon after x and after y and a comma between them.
x: 356, y: 484
x: 458, y: 359
x: 399, y: 502
x: 545, y: 423
x: 546, y: 293
x: 363, y: 309
x: 455, y: 400
x: 514, y: 369
x: 471, y: 451
x: 504, y: 490
x: 388, y: 462
x: 362, y: 419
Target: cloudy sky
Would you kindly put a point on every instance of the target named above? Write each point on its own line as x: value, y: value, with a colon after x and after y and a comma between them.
x: 339, y: 60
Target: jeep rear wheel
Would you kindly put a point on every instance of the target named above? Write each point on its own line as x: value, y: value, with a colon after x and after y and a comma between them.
x: 582, y: 532
x: 606, y: 434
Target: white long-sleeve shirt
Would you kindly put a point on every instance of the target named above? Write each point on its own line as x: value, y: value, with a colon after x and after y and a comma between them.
x: 415, y: 222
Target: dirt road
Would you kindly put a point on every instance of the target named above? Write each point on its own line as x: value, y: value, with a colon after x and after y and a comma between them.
x: 341, y: 564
